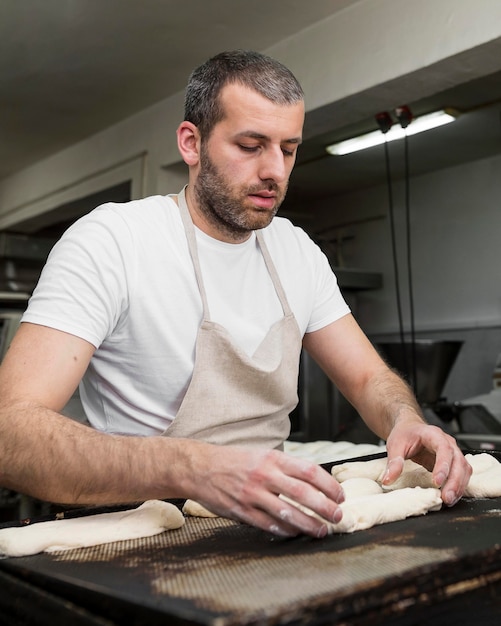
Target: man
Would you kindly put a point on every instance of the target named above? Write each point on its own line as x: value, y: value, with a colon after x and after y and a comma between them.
x: 184, y: 317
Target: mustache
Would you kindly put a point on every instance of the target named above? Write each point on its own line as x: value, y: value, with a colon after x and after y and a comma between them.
x: 270, y: 186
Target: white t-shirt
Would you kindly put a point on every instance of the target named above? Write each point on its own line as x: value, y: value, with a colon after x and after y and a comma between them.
x: 122, y: 279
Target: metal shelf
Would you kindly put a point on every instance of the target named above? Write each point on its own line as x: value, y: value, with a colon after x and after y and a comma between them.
x: 357, y: 280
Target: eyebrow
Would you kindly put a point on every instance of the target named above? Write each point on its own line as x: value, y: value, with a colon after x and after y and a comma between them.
x: 255, y: 135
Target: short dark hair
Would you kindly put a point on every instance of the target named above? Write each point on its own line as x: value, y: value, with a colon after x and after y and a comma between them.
x: 265, y: 75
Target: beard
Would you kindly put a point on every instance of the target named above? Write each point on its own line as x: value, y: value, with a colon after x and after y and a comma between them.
x: 228, y: 208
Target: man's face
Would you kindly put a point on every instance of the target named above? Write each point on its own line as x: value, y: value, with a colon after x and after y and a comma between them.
x: 246, y: 162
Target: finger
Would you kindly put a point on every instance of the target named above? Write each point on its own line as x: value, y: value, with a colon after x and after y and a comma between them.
x: 314, y: 488
x: 283, y: 518
x: 394, y: 469
x: 457, y: 480
x: 313, y: 503
x: 307, y: 485
x: 448, y: 470
x: 266, y: 522
x: 299, y: 471
x: 302, y: 518
x: 451, y: 471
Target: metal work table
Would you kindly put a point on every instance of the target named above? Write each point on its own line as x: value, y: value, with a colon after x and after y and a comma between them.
x: 442, y: 568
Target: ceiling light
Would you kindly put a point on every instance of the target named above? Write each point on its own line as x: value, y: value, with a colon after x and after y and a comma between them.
x: 375, y: 138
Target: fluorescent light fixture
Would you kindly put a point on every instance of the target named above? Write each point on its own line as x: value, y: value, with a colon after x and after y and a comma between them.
x: 376, y: 138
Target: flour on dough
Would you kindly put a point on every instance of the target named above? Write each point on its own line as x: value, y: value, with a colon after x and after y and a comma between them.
x: 151, y: 518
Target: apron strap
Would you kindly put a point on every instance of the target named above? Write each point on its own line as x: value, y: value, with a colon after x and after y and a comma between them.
x: 189, y: 229
x: 273, y: 273
x: 192, y: 245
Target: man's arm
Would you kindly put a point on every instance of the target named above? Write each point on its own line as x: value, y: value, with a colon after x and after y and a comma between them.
x: 53, y: 458
x: 387, y: 405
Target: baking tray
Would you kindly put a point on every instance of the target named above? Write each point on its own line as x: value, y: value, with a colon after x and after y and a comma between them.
x: 221, y: 573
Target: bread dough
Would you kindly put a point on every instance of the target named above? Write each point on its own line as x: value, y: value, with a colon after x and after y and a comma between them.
x: 485, y: 481
x: 195, y: 509
x: 327, y: 451
x: 369, y: 503
x: 413, y: 474
x: 151, y: 518
x: 363, y: 512
x: 373, y: 469
x: 358, y: 487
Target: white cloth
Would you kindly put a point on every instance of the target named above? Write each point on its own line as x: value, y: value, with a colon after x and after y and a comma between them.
x: 122, y: 279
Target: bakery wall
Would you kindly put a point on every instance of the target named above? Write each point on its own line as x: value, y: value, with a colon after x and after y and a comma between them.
x: 455, y: 221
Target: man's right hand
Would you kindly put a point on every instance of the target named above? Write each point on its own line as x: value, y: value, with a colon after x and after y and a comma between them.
x: 245, y: 483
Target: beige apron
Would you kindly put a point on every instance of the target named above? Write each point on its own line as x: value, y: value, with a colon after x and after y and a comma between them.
x: 234, y: 398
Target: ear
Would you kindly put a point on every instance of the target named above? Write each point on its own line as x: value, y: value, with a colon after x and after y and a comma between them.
x: 188, y: 142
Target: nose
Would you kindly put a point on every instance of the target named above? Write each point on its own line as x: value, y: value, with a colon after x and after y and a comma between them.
x: 273, y: 165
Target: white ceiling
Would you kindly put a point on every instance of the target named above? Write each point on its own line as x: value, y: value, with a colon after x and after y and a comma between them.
x: 69, y: 68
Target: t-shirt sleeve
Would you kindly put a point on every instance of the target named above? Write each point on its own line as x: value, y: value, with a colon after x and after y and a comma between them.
x: 319, y: 285
x: 311, y: 285
x: 83, y: 288
x: 329, y: 304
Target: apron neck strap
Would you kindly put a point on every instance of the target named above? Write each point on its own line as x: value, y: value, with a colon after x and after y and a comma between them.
x: 189, y: 230
x: 192, y: 245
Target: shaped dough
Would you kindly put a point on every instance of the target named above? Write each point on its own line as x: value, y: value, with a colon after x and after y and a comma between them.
x: 358, y: 487
x: 373, y: 469
x: 151, y: 518
x: 361, y: 513
x: 485, y: 481
x: 413, y: 474
x: 195, y: 509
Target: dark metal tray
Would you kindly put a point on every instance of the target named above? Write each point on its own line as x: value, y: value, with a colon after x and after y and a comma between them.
x: 444, y: 567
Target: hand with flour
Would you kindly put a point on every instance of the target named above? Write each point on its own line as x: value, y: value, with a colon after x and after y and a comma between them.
x: 433, y: 449
x: 244, y: 483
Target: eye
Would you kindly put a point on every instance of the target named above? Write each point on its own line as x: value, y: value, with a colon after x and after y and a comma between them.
x: 288, y: 152
x: 248, y: 148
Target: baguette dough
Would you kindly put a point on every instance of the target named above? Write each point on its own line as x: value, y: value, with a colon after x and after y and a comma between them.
x: 363, y: 512
x: 195, y: 509
x: 358, y: 487
x: 151, y: 518
x: 485, y: 481
x: 368, y: 503
x: 413, y: 474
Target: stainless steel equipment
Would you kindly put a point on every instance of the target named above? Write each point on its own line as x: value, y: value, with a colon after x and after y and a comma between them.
x: 425, y: 364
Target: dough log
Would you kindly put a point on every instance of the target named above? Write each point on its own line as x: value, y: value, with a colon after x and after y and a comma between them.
x: 413, y: 474
x: 363, y: 512
x: 485, y: 481
x: 195, y: 509
x: 151, y: 518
